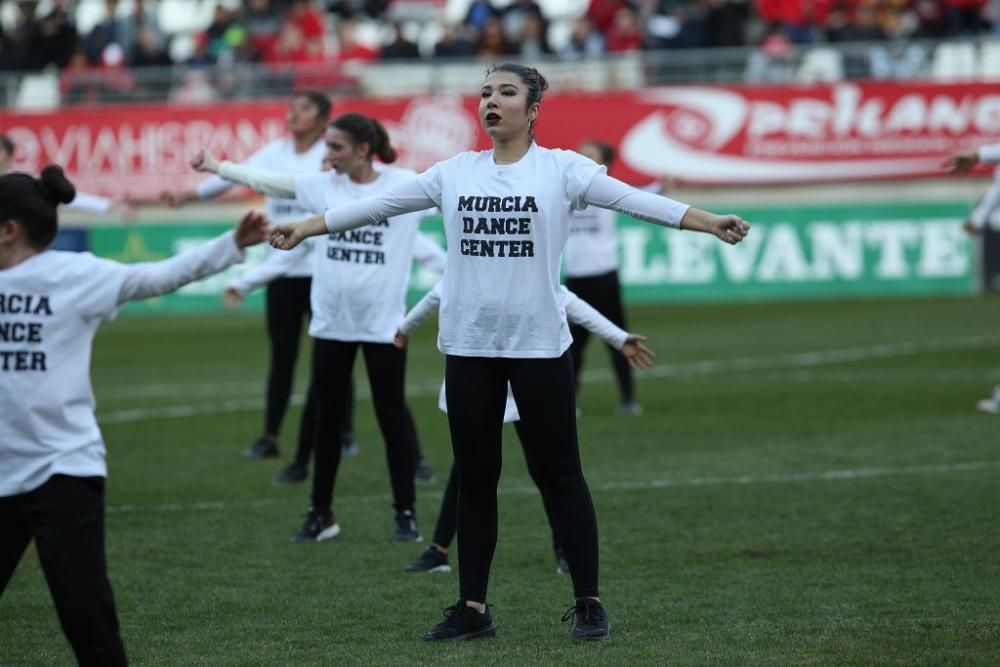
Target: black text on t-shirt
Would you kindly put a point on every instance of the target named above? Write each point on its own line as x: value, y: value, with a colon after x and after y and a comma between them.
x: 364, y: 236
x: 497, y: 225
x: 22, y: 332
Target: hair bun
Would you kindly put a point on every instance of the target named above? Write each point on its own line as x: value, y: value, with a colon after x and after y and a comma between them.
x: 56, y: 187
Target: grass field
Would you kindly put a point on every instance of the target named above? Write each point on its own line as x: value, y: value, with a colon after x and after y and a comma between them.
x: 809, y: 484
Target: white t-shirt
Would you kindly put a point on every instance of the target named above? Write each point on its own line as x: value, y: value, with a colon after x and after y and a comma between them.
x: 592, y: 246
x: 506, y: 226
x: 360, y: 276
x: 280, y: 156
x: 50, y: 307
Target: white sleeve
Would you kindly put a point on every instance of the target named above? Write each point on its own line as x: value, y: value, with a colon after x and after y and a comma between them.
x: 989, y: 153
x: 420, y: 312
x: 987, y: 204
x: 270, y: 183
x: 608, y: 192
x: 148, y: 279
x: 274, y: 266
x: 88, y: 203
x: 580, y: 312
x: 429, y: 254
x: 407, y: 197
x: 211, y: 187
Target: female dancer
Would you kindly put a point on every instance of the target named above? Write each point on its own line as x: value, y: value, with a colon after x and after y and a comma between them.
x: 358, y: 297
x: 52, y: 478
x: 506, y: 217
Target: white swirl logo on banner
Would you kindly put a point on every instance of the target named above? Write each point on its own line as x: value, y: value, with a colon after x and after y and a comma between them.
x: 692, y: 136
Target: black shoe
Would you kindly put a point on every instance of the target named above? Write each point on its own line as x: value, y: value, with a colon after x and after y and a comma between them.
x: 562, y: 565
x: 462, y: 622
x: 292, y: 474
x: 317, y: 527
x: 349, y: 446
x: 264, y: 448
x: 591, y: 619
x: 431, y: 560
x: 423, y: 472
x: 406, y: 528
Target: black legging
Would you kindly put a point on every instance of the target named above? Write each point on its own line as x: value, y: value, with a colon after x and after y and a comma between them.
x: 287, y: 306
x: 444, y: 530
x: 604, y: 293
x: 333, y: 362
x: 65, y: 517
x: 544, y: 390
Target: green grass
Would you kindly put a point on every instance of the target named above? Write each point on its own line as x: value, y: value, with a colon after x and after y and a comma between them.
x: 722, y: 540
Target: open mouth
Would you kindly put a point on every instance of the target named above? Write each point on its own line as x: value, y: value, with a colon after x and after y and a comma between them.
x: 492, y: 118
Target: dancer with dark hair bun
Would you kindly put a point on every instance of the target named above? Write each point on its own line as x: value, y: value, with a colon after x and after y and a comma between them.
x: 52, y: 479
x: 358, y: 297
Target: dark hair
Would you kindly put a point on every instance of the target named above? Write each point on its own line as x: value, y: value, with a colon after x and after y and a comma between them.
x: 606, y: 150
x: 6, y: 144
x: 32, y: 202
x: 318, y: 99
x: 366, y: 130
x: 529, y: 76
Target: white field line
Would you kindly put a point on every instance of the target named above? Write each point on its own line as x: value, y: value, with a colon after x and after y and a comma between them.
x: 613, y: 487
x: 689, y: 370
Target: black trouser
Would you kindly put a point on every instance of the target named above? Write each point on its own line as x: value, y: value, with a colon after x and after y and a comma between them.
x: 333, y: 362
x: 476, y: 393
x: 66, y: 517
x: 604, y: 293
x: 444, y: 530
x: 307, y: 427
x: 287, y: 306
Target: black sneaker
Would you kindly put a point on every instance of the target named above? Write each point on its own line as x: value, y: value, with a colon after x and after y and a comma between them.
x: 591, y: 619
x: 423, y: 472
x: 406, y: 528
x: 264, y: 448
x: 462, y: 622
x: 349, y: 446
x: 317, y: 527
x: 431, y: 560
x: 562, y: 565
x: 293, y: 474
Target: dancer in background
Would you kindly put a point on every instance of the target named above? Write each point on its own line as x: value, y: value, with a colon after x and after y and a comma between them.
x: 287, y: 299
x: 435, y: 557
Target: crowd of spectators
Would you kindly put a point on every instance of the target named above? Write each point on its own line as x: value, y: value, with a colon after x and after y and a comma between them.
x: 283, y: 33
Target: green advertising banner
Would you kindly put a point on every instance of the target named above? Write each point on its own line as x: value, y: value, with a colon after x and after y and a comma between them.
x: 880, y: 249
x: 883, y: 249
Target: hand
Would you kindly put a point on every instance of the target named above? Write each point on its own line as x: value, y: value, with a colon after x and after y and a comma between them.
x: 288, y: 235
x: 730, y: 228
x: 960, y: 163
x: 637, y: 354
x: 251, y: 229
x: 400, y: 340
x: 971, y: 229
x: 176, y: 199
x: 203, y: 160
x: 232, y: 298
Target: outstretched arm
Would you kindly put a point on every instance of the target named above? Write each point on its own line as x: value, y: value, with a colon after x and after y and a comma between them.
x: 407, y: 197
x: 154, y: 278
x: 960, y: 163
x: 417, y: 315
x: 582, y: 313
x: 607, y: 192
x: 271, y: 183
x: 274, y: 266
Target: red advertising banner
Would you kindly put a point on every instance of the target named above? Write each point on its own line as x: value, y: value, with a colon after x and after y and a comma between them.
x: 708, y: 135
